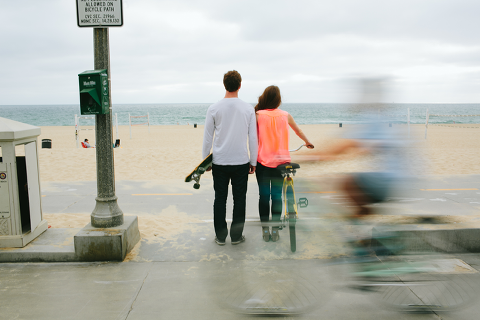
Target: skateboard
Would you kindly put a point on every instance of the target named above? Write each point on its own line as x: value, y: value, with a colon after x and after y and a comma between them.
x: 199, y: 170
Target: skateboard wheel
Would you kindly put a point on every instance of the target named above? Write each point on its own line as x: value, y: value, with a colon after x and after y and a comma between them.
x: 196, y: 185
x: 201, y: 170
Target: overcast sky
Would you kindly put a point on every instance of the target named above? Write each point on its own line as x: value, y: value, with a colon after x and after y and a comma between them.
x: 177, y: 51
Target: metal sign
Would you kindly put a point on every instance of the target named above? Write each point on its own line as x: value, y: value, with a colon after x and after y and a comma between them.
x: 99, y: 13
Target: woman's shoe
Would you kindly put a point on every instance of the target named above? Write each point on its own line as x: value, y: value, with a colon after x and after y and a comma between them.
x: 275, y: 234
x: 266, y: 233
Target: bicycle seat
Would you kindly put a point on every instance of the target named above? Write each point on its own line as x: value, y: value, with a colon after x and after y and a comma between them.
x: 288, y: 167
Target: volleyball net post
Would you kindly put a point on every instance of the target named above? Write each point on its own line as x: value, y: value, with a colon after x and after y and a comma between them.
x: 116, y: 124
x: 76, y: 131
x: 78, y: 128
x: 408, y: 121
x: 130, y: 117
x: 427, y: 117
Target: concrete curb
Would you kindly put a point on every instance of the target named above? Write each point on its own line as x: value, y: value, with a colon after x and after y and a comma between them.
x: 78, y: 245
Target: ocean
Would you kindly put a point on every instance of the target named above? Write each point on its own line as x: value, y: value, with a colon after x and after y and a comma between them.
x: 303, y: 113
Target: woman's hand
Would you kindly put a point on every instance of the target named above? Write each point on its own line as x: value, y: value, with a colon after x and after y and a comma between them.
x: 309, y: 145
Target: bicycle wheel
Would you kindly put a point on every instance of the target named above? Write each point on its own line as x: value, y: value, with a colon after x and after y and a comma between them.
x: 292, y: 218
x: 426, y: 292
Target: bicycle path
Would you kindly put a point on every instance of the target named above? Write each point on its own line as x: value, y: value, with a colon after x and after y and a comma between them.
x: 178, y: 272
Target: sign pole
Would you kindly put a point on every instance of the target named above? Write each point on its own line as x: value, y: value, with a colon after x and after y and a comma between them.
x: 107, y: 213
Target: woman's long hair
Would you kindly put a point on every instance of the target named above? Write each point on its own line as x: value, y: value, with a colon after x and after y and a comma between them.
x: 270, y: 99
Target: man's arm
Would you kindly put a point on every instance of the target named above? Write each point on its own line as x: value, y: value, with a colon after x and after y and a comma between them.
x: 208, y: 134
x: 253, y: 142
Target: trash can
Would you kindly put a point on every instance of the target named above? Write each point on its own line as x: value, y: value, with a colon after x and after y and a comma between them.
x: 47, y: 143
x: 340, y: 125
x: 117, y: 143
x: 194, y: 125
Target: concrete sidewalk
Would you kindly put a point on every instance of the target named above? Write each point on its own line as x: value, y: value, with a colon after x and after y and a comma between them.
x: 179, y: 218
x: 178, y: 272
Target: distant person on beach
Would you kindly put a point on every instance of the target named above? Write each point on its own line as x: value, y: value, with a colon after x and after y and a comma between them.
x: 229, y: 124
x: 87, y: 145
x: 273, y: 137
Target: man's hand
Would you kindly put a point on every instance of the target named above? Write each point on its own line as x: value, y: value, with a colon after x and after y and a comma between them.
x: 251, y: 170
x: 209, y: 168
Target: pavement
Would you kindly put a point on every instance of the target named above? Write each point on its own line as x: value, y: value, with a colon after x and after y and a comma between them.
x: 178, y: 272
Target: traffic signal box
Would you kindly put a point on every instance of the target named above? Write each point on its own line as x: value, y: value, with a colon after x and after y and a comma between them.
x: 94, y: 98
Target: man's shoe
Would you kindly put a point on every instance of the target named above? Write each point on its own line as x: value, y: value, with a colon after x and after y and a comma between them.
x: 220, y: 243
x: 275, y: 234
x: 242, y: 239
x: 266, y: 233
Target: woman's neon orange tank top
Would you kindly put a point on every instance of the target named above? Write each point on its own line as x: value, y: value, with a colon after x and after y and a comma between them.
x: 273, y: 135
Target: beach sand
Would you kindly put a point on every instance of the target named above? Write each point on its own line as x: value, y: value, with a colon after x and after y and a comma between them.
x: 171, y: 152
x: 167, y: 154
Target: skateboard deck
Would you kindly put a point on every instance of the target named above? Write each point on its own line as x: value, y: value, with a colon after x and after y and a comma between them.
x: 199, y: 170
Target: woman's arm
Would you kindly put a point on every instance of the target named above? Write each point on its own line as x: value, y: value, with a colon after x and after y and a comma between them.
x: 299, y: 132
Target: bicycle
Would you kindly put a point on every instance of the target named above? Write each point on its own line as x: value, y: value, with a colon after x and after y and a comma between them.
x: 413, y: 282
x: 379, y: 263
x: 289, y: 209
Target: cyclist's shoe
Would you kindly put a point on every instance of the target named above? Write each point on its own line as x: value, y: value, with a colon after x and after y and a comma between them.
x: 275, y: 234
x: 219, y: 242
x: 266, y: 233
x: 242, y: 239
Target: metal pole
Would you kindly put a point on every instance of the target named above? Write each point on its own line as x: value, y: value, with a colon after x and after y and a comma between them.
x: 116, y: 123
x: 76, y: 130
x: 148, y: 121
x: 107, y: 213
x: 130, y: 125
x: 426, y: 124
x: 408, y: 121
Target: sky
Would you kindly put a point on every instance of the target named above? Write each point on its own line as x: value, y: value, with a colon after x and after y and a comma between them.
x: 176, y: 51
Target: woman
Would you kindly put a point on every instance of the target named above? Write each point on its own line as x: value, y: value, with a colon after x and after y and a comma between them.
x: 273, y: 135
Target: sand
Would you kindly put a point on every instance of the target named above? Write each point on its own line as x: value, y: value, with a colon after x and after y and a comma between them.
x: 168, y: 153
x: 171, y: 152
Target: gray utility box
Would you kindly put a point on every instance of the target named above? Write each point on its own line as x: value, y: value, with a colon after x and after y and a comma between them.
x: 21, y: 218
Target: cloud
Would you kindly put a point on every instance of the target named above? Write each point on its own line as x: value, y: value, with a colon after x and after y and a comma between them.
x: 178, y: 50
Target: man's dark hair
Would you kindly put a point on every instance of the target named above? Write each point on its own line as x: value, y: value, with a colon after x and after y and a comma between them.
x: 86, y: 139
x: 232, y: 81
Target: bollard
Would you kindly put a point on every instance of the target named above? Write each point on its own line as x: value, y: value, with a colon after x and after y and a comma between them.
x: 340, y: 125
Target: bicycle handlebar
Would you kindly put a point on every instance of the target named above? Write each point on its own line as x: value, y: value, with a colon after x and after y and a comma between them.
x: 297, y: 148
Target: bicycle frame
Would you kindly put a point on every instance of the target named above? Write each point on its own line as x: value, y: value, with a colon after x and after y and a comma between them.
x: 290, y: 207
x: 287, y: 182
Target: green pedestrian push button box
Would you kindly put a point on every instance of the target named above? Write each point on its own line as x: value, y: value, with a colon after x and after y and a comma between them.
x: 94, y: 98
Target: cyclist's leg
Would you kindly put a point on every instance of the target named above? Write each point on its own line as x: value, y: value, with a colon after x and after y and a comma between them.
x: 357, y: 196
x: 239, y: 176
x: 221, y: 179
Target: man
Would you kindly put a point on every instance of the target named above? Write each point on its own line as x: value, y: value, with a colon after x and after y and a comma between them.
x: 233, y: 123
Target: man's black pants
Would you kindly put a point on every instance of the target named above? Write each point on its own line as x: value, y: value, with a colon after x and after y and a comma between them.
x: 222, y: 175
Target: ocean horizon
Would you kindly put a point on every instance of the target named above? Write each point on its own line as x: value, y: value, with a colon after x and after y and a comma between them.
x: 194, y: 113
